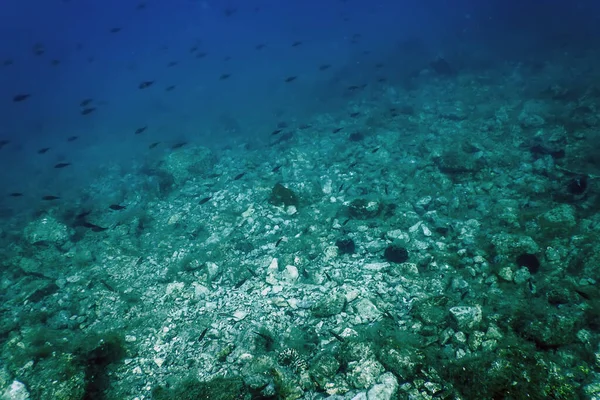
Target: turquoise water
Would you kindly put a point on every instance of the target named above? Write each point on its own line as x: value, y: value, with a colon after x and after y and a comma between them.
x: 299, y: 200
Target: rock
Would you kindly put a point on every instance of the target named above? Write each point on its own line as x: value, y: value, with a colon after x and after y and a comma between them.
x: 47, y: 229
x: 561, y: 218
x: 16, y: 391
x: 466, y: 318
x: 331, y: 304
x: 363, y: 374
x: 386, y: 388
x: 366, y: 310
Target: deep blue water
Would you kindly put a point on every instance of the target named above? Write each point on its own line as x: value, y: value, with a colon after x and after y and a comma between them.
x: 63, y: 52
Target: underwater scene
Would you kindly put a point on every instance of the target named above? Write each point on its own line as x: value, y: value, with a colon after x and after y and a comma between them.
x: 269, y: 199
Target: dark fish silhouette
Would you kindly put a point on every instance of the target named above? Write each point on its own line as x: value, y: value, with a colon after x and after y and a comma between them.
x: 259, y: 46
x: 276, y: 132
x: 239, y: 176
x: 16, y: 194
x: 356, y: 87
x: 324, y: 67
x: 224, y: 76
x: 229, y: 11
x: 93, y: 227
x: 38, y: 49
x: 3, y: 143
x: 88, y: 110
x: 141, y: 6
x: 21, y: 97
x: 172, y: 64
x: 115, y: 30
x: 336, y: 130
x: 205, y: 200
x: 296, y: 44
x: 44, y: 150
x: 178, y: 145
x: 55, y: 62
x: 50, y: 198
x: 201, y: 55
x: 153, y: 145
x: 7, y: 62
x: 354, y: 114
x: 169, y: 88
x: 85, y: 102
x: 140, y: 130
x: 290, y: 79
x: 62, y: 165
x: 277, y: 168
x: 145, y: 84
x: 117, y: 207
x: 72, y: 138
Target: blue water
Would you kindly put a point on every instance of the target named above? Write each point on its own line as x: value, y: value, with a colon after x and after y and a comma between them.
x: 108, y: 67
x: 225, y: 75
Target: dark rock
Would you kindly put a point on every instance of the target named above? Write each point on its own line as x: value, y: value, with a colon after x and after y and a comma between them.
x: 282, y: 196
x: 345, y: 246
x: 396, y: 254
x: 529, y: 261
x: 578, y: 185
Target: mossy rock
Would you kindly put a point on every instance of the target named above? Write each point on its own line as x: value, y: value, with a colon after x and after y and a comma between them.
x: 364, y: 209
x: 282, y: 196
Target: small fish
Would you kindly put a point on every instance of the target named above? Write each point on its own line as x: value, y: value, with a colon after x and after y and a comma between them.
x: 276, y: 132
x: 239, y: 176
x: 240, y: 283
x: 141, y: 6
x: 178, y: 145
x: 15, y: 194
x: 278, y: 242
x: 140, y: 130
x: 201, y: 55
x: 259, y: 46
x: 7, y: 62
x: 54, y: 63
x: 44, y: 150
x: 94, y: 227
x: 277, y: 168
x: 305, y: 127
x: 296, y: 44
x: 204, y: 200
x: 290, y: 79
x: 85, y: 102
x: 336, y: 130
x: 117, y: 207
x: 375, y: 150
x: 88, y: 110
x: 50, y: 198
x: 115, y: 30
x: 21, y: 97
x: 145, y: 84
x: 354, y: 114
x: 202, y: 334
x: 83, y: 214
x: 381, y: 80
x: 254, y: 274
x: 153, y: 145
x: 4, y: 142
x: 324, y: 67
x: 224, y: 76
x: 72, y: 138
x: 172, y: 64
x: 169, y: 88
x: 62, y: 165
x: 356, y: 87
x: 338, y: 337
x: 229, y: 11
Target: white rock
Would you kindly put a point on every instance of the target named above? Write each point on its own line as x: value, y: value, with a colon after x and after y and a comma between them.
x: 290, y: 274
x: 376, y: 266
x: 239, y: 315
x: 159, y: 361
x: 16, y: 391
x: 386, y: 388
